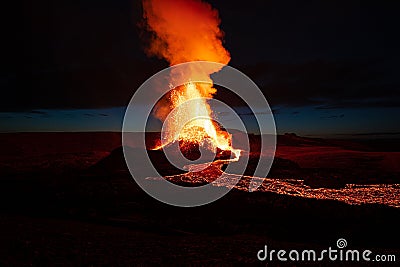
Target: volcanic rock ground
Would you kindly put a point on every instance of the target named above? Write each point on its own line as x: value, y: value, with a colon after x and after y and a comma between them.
x: 68, y: 199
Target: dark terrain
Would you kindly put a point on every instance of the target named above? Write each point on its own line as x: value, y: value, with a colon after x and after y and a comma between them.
x: 68, y: 199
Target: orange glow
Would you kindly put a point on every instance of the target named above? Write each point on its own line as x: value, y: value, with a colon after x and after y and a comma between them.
x: 184, y: 31
x: 202, y: 130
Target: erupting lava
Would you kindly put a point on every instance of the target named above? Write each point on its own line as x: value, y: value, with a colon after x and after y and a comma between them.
x: 202, y: 130
x: 184, y: 31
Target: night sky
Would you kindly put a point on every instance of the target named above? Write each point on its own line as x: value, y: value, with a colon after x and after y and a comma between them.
x: 327, y: 68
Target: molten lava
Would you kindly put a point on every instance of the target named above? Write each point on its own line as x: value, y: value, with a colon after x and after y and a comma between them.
x: 184, y: 31
x: 192, y: 124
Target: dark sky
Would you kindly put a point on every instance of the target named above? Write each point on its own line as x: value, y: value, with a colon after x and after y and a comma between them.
x: 334, y: 58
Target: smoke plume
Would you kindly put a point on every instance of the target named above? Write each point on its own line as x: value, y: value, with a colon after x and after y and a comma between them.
x: 183, y: 31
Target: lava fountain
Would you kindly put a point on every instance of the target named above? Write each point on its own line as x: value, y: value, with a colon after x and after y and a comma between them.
x: 185, y: 31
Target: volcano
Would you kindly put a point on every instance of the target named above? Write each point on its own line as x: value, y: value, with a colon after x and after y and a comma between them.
x: 194, y: 151
x: 190, y: 125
